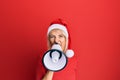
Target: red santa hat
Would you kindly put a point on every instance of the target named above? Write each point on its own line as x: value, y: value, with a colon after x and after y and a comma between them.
x: 60, y: 24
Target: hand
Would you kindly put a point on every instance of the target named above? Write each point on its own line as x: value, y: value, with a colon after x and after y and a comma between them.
x: 48, y: 75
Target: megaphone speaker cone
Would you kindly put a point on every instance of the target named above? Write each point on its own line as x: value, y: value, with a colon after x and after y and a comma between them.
x: 54, y: 60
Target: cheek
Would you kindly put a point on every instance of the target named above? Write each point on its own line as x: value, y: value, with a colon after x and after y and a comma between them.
x: 51, y: 41
x: 63, y: 42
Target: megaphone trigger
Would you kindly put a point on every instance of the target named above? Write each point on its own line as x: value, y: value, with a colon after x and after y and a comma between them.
x: 57, y: 51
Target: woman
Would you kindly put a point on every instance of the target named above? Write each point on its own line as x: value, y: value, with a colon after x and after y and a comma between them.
x: 58, y: 33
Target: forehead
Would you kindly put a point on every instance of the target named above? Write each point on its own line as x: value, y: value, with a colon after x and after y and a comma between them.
x: 56, y: 31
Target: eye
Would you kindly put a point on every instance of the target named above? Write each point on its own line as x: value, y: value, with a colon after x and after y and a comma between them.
x: 61, y: 36
x: 51, y: 36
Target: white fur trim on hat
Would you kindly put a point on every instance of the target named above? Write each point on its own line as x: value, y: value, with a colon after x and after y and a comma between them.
x: 69, y: 53
x: 58, y: 26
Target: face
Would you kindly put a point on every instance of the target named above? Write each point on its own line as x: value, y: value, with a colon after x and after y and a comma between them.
x: 57, y: 36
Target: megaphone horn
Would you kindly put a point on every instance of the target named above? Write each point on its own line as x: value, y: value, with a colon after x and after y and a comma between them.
x: 55, y: 59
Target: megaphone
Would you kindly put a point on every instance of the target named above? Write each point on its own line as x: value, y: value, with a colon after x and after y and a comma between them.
x: 54, y: 59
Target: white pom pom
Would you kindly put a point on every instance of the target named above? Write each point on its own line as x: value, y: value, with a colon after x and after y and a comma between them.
x: 69, y: 53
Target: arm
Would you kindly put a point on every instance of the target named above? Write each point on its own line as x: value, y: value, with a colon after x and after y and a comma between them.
x: 48, y: 75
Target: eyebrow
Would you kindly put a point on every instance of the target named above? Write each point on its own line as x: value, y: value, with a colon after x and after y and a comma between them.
x: 54, y: 35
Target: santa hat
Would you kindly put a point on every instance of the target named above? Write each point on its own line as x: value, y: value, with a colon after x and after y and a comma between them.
x: 60, y: 24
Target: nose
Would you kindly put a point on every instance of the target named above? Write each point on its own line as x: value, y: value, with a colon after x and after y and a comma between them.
x: 57, y: 40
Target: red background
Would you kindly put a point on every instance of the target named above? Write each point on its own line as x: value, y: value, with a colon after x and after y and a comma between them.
x: 95, y: 33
